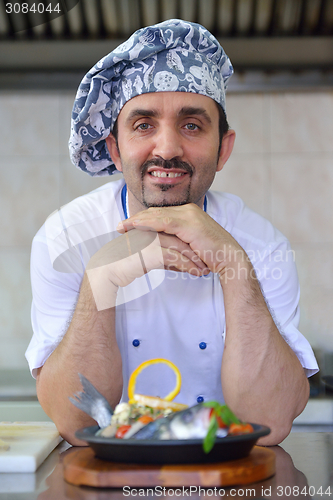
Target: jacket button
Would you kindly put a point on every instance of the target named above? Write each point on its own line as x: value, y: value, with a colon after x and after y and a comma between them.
x: 136, y: 342
x: 200, y: 399
x: 202, y: 345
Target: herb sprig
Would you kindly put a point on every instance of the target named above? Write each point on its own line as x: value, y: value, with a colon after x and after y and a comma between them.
x: 227, y: 417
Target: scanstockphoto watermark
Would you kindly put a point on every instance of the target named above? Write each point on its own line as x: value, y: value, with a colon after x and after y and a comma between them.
x: 261, y: 491
x: 188, y: 491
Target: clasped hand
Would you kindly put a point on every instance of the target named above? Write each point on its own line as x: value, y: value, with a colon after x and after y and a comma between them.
x: 182, y: 238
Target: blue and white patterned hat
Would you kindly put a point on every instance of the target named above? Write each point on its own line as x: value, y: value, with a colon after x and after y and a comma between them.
x: 174, y: 55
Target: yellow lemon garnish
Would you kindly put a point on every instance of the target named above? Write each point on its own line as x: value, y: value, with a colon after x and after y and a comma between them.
x: 158, y: 403
x: 132, y: 380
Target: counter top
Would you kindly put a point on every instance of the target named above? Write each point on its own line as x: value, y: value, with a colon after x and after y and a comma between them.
x: 304, y: 469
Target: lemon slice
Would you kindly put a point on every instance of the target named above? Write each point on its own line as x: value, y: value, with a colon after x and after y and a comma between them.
x: 158, y: 403
x: 132, y: 380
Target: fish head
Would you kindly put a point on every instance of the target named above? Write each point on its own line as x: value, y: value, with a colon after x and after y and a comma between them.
x: 192, y: 423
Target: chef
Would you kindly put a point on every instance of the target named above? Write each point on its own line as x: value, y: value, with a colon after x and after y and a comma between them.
x: 155, y: 265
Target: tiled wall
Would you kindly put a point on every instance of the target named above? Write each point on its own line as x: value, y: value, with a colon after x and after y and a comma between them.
x: 282, y: 166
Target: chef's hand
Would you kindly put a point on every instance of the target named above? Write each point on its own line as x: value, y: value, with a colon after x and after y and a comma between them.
x: 190, y: 224
x: 133, y: 254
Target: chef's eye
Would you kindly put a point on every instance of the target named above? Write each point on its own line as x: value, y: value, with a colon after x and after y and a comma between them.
x: 191, y: 126
x: 143, y: 126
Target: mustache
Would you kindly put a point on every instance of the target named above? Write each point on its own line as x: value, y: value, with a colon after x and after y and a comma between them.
x: 167, y: 164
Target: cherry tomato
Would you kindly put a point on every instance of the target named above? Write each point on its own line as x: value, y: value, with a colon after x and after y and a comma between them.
x: 121, y: 431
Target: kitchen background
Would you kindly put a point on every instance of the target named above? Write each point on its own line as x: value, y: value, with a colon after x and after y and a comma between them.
x: 280, y: 102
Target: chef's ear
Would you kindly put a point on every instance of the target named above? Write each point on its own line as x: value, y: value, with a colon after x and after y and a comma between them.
x: 227, y: 145
x: 112, y: 146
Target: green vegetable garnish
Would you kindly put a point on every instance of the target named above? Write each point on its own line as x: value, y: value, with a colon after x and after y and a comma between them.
x: 227, y: 417
x: 209, y: 440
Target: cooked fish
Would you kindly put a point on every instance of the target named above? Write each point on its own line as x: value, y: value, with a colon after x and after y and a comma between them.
x: 191, y: 423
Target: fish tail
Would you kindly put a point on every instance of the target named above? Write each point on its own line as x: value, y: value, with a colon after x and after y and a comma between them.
x: 92, y: 402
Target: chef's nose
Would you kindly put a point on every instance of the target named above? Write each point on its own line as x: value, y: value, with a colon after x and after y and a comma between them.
x: 168, y: 144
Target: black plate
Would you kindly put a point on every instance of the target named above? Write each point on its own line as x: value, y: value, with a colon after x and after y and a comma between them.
x: 187, y: 451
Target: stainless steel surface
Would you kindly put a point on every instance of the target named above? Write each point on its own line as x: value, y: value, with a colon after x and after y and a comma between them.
x: 304, y: 464
x: 258, y: 35
x: 101, y: 19
x: 306, y: 53
x: 312, y: 453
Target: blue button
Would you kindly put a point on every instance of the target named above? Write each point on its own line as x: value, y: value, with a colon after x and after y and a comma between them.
x: 200, y: 399
x: 202, y: 345
x: 136, y: 342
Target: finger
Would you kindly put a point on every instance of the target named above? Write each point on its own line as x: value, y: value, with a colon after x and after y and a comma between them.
x: 135, y: 242
x: 175, y: 261
x: 155, y: 218
x: 174, y: 243
x: 185, y: 221
x: 156, y: 256
x: 188, y: 239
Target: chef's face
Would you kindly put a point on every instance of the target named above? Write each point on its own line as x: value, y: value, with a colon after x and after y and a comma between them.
x: 168, y: 148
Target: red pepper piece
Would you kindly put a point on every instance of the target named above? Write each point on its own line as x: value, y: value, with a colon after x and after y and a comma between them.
x: 121, y: 431
x: 235, y: 429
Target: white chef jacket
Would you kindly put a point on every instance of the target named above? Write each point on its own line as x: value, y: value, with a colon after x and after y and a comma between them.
x: 163, y: 314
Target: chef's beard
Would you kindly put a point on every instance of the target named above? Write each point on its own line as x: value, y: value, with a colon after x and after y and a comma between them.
x: 167, y: 164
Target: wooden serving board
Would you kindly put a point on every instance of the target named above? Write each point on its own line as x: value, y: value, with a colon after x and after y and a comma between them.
x: 82, y: 468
